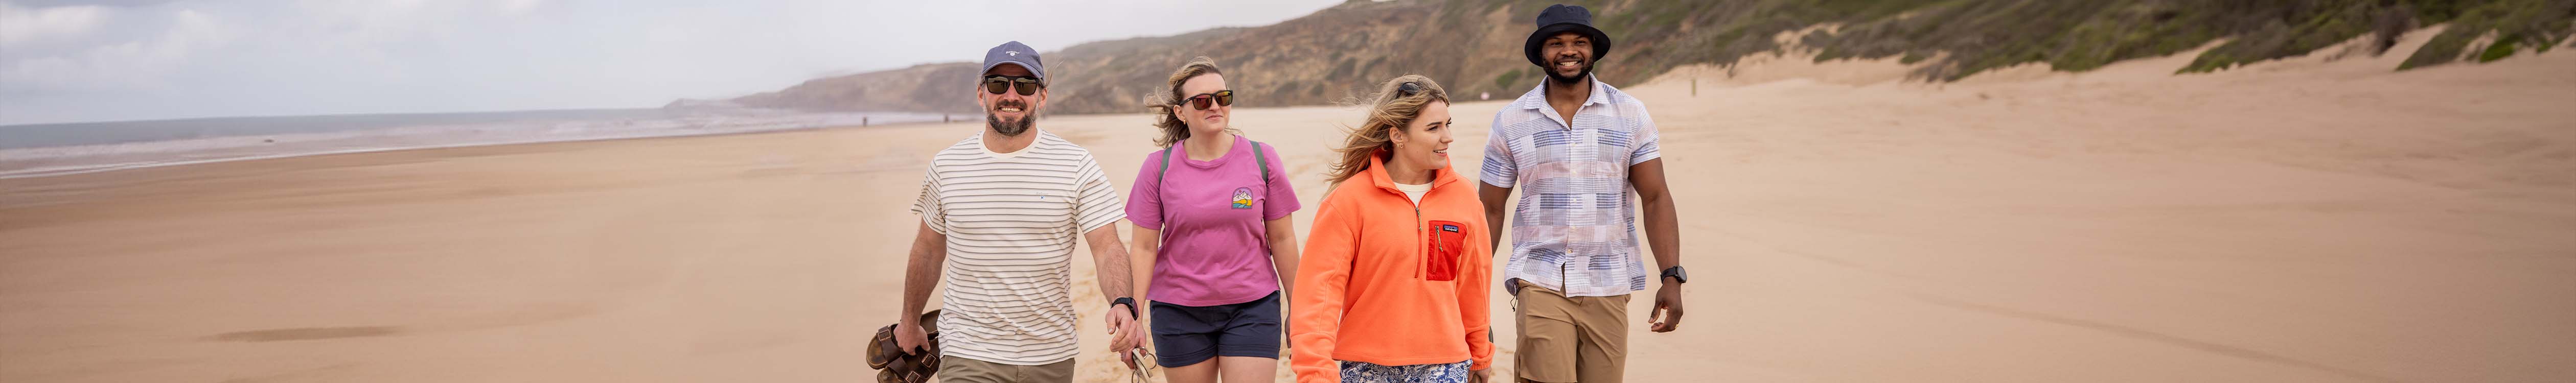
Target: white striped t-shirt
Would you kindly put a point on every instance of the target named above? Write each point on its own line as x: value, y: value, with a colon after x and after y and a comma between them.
x: 1011, y: 220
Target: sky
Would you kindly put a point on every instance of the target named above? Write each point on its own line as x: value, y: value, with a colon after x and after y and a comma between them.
x: 81, y: 61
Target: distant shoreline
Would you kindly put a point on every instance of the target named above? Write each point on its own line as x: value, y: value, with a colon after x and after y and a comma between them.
x: 36, y: 162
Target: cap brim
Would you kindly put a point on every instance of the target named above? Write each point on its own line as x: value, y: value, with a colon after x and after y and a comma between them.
x: 1033, y: 70
x: 1600, y: 41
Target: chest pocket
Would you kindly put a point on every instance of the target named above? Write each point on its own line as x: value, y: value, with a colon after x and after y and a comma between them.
x: 1440, y: 260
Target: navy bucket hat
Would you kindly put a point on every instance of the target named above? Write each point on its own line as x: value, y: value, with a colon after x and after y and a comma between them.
x: 1563, y: 18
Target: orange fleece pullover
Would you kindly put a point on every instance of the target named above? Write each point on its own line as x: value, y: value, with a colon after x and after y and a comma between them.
x: 1386, y: 282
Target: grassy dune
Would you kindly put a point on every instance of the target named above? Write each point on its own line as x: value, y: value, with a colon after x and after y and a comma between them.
x: 1474, y: 45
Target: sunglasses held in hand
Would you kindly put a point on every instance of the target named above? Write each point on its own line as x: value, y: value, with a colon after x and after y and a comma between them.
x: 1140, y: 364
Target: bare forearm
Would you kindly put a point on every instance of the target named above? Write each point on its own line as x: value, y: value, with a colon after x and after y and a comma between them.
x: 1282, y: 234
x: 1663, y: 233
x: 1663, y: 227
x: 1109, y: 256
x: 921, y: 271
x: 1116, y: 275
x: 1142, y: 254
x: 1283, y: 256
x: 1495, y: 199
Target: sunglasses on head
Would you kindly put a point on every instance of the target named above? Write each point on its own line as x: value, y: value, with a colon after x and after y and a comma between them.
x: 999, y: 84
x: 1408, y: 89
x: 1200, y: 102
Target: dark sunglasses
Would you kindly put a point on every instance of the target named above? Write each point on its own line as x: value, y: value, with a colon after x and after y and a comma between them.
x: 1408, y: 89
x: 999, y: 84
x: 1200, y: 102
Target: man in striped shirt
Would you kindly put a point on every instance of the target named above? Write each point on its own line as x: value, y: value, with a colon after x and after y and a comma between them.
x: 1000, y: 211
x: 1584, y: 156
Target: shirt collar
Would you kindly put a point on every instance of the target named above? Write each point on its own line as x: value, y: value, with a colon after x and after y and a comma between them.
x: 1537, y: 97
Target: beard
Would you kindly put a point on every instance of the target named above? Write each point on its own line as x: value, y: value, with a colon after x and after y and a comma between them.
x: 1557, y: 79
x: 1011, y: 129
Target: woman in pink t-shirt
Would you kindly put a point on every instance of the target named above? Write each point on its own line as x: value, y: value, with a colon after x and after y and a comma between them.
x: 1213, y: 233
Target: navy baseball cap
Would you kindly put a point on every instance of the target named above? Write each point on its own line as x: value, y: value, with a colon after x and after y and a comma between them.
x: 1013, y: 53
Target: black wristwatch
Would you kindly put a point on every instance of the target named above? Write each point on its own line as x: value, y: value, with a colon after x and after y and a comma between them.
x: 1130, y: 302
x: 1677, y: 275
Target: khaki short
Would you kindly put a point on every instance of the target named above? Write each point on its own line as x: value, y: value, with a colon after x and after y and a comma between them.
x: 961, y: 370
x: 1570, y: 339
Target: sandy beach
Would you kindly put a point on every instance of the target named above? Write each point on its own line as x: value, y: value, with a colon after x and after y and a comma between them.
x: 2297, y: 221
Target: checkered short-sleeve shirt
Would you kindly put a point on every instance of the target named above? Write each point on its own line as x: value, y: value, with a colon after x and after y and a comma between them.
x: 1574, y: 229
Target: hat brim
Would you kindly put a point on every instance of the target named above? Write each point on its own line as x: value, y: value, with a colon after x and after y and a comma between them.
x: 1600, y: 41
x: 1033, y: 70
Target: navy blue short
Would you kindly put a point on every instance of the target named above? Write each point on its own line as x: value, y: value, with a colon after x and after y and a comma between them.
x: 1187, y: 335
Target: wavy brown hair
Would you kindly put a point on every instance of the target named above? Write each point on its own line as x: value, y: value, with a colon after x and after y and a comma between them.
x: 1388, y: 111
x: 1166, y: 104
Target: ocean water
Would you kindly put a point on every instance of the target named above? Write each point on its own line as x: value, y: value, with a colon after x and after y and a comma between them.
x: 54, y: 149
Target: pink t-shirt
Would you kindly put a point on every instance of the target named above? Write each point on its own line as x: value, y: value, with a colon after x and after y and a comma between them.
x: 1215, y: 249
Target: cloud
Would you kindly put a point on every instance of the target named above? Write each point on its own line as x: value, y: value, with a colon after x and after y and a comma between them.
x: 157, y: 59
x: 110, y: 3
x: 137, y: 64
x: 20, y: 25
x: 517, y: 7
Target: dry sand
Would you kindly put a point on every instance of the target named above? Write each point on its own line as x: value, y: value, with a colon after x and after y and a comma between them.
x: 2301, y: 221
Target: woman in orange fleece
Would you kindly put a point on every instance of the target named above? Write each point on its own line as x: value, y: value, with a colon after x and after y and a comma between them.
x: 1395, y: 272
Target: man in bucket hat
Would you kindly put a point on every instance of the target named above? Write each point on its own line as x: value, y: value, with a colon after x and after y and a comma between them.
x: 1583, y: 155
x: 1000, y: 210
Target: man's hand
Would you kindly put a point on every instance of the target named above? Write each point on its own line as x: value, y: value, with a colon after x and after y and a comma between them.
x: 1125, y: 332
x: 1480, y: 376
x: 909, y: 338
x: 1667, y: 315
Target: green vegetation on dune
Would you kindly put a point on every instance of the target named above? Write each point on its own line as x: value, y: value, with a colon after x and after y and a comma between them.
x: 2538, y: 24
x: 1971, y: 36
x: 1337, y: 53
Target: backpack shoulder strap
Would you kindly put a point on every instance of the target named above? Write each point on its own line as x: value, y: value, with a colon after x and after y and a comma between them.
x: 1167, y: 164
x: 1263, y: 162
x: 1257, y: 158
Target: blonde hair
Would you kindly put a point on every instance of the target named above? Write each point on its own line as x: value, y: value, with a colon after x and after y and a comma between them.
x: 1388, y: 112
x: 1165, y: 103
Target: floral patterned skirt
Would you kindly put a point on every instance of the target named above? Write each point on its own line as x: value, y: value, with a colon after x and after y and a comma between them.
x: 1363, y: 372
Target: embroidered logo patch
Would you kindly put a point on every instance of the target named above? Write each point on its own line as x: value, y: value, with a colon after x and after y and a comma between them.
x: 1243, y: 198
x: 1449, y: 228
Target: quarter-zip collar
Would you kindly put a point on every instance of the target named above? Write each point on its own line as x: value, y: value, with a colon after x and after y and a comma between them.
x: 1377, y: 176
x: 1421, y: 225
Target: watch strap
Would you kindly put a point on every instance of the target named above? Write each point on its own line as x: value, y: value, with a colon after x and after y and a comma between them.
x: 1131, y: 305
